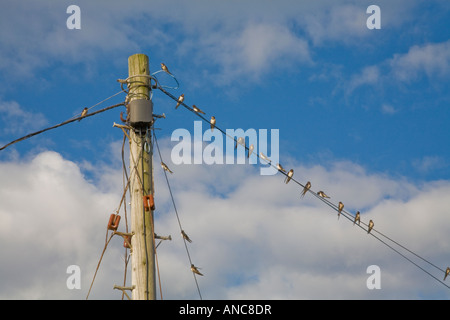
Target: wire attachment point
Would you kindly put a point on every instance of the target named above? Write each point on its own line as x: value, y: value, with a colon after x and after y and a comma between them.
x: 149, y: 202
x: 126, y: 239
x: 123, y: 289
x: 169, y: 237
x: 113, y: 222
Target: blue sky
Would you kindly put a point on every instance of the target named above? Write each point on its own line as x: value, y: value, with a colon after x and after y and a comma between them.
x: 363, y: 112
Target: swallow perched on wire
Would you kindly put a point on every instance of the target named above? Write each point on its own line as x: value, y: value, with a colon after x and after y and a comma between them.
x: 83, y: 113
x: 280, y: 168
x: 447, y: 272
x: 370, y: 226
x: 263, y: 156
x: 340, y: 207
x: 240, y: 141
x: 213, y: 122
x: 185, y: 236
x: 250, y: 150
x: 306, y: 188
x: 357, y: 218
x: 322, y: 194
x: 180, y: 100
x: 164, y: 68
x: 289, y: 176
x: 194, y: 269
x: 165, y: 167
x: 196, y: 109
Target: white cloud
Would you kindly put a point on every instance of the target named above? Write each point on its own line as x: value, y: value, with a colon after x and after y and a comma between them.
x: 432, y: 59
x: 368, y: 76
x: 17, y: 120
x: 40, y: 36
x: 215, y: 35
x: 265, y: 242
x: 253, y: 236
x: 429, y: 163
x: 262, y: 45
x: 51, y: 218
x: 254, y: 50
x: 227, y: 41
x: 343, y: 23
x: 388, y: 109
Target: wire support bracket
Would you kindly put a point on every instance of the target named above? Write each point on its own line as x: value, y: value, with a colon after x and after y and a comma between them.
x: 124, y: 289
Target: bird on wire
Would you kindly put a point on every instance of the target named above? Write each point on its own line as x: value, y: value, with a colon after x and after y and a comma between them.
x: 185, y: 236
x: 83, y: 113
x: 165, y: 69
x: 357, y: 218
x: 250, y: 150
x: 194, y: 269
x: 165, y: 167
x: 322, y: 194
x: 196, y: 109
x: 213, y: 123
x: 280, y: 168
x: 371, y: 224
x: 289, y: 176
x: 180, y: 100
x: 341, y: 206
x: 306, y: 188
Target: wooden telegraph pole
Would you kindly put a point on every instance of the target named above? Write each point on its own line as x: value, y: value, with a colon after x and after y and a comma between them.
x: 140, y: 114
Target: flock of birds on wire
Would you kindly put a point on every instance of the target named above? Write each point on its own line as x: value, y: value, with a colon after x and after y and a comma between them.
x: 356, y: 218
x: 288, y: 174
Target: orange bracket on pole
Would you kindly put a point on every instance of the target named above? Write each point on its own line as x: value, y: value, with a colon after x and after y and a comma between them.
x: 149, y: 202
x: 113, y: 222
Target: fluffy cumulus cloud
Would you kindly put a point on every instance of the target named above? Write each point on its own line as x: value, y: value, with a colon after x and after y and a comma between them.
x: 19, y: 119
x: 254, y: 50
x: 51, y: 218
x: 336, y: 21
x: 431, y: 59
x: 253, y: 236
x: 263, y: 241
x: 428, y: 163
x: 238, y: 38
x: 368, y: 76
